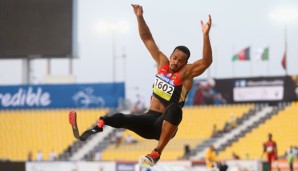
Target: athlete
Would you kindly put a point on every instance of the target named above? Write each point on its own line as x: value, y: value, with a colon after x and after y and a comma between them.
x: 173, y: 80
x: 270, y: 147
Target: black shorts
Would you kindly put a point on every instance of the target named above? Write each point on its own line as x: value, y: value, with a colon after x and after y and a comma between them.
x: 148, y: 125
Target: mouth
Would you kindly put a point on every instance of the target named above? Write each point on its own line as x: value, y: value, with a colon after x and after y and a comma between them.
x: 174, y: 67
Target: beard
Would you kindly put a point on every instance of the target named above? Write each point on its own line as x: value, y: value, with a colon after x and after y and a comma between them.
x: 174, y: 67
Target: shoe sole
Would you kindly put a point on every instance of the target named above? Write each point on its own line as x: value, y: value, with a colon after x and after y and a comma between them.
x: 73, y: 118
x: 145, y: 162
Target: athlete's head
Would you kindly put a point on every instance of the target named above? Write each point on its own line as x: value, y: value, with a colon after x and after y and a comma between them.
x: 179, y: 58
x: 212, y: 147
x: 269, y: 136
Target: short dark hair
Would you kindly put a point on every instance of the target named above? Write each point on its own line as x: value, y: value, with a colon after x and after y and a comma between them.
x: 184, y: 49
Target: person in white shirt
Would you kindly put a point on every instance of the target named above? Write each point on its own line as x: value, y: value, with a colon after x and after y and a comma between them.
x: 52, y: 155
x: 39, y: 156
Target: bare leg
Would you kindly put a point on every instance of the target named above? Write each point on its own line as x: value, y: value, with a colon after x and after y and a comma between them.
x: 167, y: 132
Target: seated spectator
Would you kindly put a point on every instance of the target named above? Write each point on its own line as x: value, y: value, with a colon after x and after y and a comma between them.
x: 233, y: 120
x: 129, y: 139
x: 214, y: 131
x: 228, y: 127
x: 97, y: 156
x: 39, y: 156
x: 118, y: 136
x: 187, y: 152
x: 235, y: 156
x: 52, y: 155
x: 139, y: 106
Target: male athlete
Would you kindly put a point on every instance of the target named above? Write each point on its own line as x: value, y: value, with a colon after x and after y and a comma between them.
x: 270, y: 147
x: 173, y: 80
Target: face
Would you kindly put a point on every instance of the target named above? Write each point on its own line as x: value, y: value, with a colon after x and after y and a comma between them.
x: 177, y: 60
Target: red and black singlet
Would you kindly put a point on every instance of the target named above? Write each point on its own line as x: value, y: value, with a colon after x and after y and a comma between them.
x: 168, y: 87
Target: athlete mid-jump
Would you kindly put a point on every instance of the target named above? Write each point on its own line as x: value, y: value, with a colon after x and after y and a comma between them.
x: 173, y: 80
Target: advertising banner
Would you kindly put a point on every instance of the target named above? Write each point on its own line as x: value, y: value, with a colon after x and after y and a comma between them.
x: 70, y: 166
x: 61, y: 96
x: 244, y: 90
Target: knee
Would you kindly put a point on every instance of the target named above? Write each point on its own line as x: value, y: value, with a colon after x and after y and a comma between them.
x: 116, y: 120
x: 173, y: 114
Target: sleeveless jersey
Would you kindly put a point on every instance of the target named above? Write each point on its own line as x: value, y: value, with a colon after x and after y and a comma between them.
x: 270, y: 145
x: 168, y: 87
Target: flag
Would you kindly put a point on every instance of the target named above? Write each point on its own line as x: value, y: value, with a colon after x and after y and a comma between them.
x: 263, y: 54
x: 284, y: 61
x: 242, y: 55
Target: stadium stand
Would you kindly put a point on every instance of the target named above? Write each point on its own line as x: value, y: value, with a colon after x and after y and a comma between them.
x: 195, y: 127
x: 282, y: 125
x: 44, y: 130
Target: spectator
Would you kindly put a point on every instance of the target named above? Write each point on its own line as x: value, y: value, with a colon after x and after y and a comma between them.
x: 139, y: 106
x: 118, y: 136
x: 113, y: 138
x: 235, y: 156
x: 39, y: 156
x: 198, y: 97
x: 52, y: 155
x: 186, y: 152
x: 214, y: 131
x: 209, y: 92
x: 98, y: 156
x: 228, y: 127
x: 29, y: 157
x: 218, y: 99
x: 233, y: 120
x: 210, y: 157
x: 211, y: 161
x: 247, y: 156
x: 291, y: 155
x: 129, y: 139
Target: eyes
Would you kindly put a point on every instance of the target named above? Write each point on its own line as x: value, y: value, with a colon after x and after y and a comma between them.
x: 179, y: 60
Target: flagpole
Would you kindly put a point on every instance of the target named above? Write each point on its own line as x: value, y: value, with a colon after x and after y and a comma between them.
x: 215, y: 67
x: 250, y: 68
x: 233, y: 63
x: 268, y: 67
x: 233, y: 69
x: 250, y: 61
x: 286, y: 69
x: 268, y: 71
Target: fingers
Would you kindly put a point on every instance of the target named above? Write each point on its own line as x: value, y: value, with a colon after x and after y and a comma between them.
x: 210, y: 19
x: 136, y: 6
x: 209, y: 22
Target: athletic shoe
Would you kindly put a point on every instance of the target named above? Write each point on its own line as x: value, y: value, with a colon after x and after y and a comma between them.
x: 151, y: 159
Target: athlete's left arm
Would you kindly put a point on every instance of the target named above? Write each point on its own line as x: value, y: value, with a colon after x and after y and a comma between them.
x: 275, y: 149
x: 199, y: 66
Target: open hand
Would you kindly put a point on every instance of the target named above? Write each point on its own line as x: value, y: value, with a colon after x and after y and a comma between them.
x: 206, y: 26
x: 138, y: 9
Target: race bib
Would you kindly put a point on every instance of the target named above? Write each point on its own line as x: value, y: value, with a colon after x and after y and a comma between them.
x: 269, y: 149
x: 163, y: 88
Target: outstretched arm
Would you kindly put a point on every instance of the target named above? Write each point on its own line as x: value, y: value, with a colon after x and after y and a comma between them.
x: 147, y: 37
x: 198, y: 67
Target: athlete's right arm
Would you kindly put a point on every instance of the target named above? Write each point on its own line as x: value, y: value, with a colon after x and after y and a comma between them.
x: 147, y: 37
